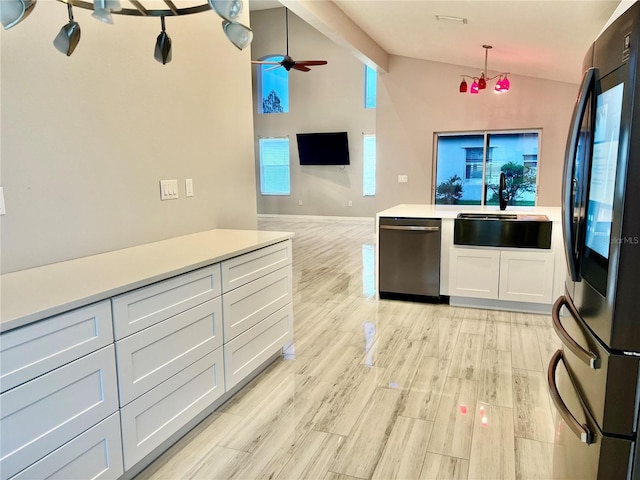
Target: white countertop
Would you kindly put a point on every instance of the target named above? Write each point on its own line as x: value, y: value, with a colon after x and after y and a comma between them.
x: 452, y: 211
x: 36, y: 293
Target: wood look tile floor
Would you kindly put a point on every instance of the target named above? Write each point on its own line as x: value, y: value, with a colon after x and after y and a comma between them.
x: 379, y: 389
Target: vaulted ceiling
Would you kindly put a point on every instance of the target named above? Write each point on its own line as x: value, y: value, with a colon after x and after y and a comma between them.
x: 543, y: 38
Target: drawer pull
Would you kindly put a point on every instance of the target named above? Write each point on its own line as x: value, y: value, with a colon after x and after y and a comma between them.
x: 409, y: 228
x: 585, y: 356
x: 581, y: 431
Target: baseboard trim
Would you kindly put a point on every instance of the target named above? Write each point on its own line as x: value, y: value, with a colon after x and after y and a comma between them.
x: 317, y: 218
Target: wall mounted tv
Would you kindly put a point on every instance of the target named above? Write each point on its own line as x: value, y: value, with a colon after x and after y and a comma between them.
x: 323, y: 148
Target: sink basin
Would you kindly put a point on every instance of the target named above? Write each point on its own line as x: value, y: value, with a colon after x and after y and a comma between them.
x: 489, y: 229
x: 504, y: 216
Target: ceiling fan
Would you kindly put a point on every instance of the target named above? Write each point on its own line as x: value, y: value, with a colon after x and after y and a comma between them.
x: 287, y: 62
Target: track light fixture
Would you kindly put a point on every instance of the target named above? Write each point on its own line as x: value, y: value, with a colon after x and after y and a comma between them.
x: 163, y: 46
x: 13, y: 12
x: 480, y: 83
x: 67, y: 40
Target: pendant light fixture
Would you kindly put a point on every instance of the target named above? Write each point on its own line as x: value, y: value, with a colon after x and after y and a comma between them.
x: 480, y: 82
x: 13, y: 12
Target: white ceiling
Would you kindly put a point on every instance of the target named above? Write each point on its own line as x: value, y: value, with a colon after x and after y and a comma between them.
x: 542, y: 38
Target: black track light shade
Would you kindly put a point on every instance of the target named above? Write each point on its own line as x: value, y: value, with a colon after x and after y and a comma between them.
x: 163, y: 46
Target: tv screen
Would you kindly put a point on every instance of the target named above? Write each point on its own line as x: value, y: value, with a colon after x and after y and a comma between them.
x: 323, y: 148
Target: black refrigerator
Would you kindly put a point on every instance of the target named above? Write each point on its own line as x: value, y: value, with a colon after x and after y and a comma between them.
x: 594, y: 378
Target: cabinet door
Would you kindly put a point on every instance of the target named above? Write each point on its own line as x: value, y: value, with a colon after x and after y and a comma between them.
x: 147, y: 358
x: 250, y: 349
x: 41, y: 415
x: 96, y: 454
x: 474, y: 272
x: 139, y: 309
x: 40, y: 347
x: 152, y: 418
x: 526, y: 276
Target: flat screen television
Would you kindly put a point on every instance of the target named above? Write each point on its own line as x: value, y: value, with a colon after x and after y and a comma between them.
x: 330, y: 148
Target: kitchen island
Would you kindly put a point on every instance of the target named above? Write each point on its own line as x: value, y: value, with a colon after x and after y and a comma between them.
x: 497, y: 277
x: 107, y: 360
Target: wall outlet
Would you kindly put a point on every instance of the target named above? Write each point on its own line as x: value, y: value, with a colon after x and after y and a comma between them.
x: 300, y: 202
x: 350, y: 204
x: 188, y: 187
x: 168, y: 189
x: 403, y: 178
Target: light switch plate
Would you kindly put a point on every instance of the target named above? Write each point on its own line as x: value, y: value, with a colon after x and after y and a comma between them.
x: 168, y: 189
x: 2, y: 208
x: 403, y: 178
x: 188, y: 186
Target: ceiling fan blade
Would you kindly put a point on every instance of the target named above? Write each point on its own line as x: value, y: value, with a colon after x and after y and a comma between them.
x: 299, y: 67
x: 272, y: 68
x: 260, y: 62
x: 311, y: 62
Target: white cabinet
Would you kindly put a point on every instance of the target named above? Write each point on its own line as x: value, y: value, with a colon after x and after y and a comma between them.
x: 95, y: 454
x: 40, y: 347
x: 141, y: 308
x: 526, y: 276
x: 245, y: 268
x: 92, y: 392
x: 152, y: 418
x: 256, y: 304
x: 518, y: 275
x: 250, y: 349
x: 249, y: 304
x: 41, y: 415
x: 147, y: 358
x: 474, y: 272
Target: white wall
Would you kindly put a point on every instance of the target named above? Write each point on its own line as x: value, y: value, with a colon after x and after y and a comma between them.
x: 328, y: 98
x: 419, y: 98
x: 86, y: 139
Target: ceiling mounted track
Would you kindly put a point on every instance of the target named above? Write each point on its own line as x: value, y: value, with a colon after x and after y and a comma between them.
x: 143, y: 9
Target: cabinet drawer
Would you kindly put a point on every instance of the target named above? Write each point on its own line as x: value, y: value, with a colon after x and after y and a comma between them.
x: 30, y: 351
x: 41, y: 415
x: 147, y: 358
x: 96, y: 454
x: 244, y: 307
x: 147, y: 306
x: 250, y: 349
x: 152, y: 418
x: 250, y: 266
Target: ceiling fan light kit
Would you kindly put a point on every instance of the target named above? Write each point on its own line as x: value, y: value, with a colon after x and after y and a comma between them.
x: 287, y: 62
x: 480, y: 82
x: 13, y: 12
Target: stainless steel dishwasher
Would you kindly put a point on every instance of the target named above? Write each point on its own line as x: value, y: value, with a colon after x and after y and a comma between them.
x: 409, y: 257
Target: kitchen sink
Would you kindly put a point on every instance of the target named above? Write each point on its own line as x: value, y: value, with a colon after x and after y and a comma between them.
x: 489, y: 229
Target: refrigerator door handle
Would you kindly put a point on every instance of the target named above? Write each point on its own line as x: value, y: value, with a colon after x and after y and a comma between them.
x: 568, y: 181
x: 584, y: 355
x: 581, y: 431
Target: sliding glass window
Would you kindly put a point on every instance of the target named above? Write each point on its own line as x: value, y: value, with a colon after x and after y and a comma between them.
x: 468, y: 167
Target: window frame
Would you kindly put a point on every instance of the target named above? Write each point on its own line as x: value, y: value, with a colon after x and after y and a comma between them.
x: 260, y: 81
x: 370, y: 75
x: 485, y: 134
x: 365, y: 192
x: 263, y: 179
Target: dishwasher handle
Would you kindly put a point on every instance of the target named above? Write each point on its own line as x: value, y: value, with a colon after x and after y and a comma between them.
x: 410, y: 228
